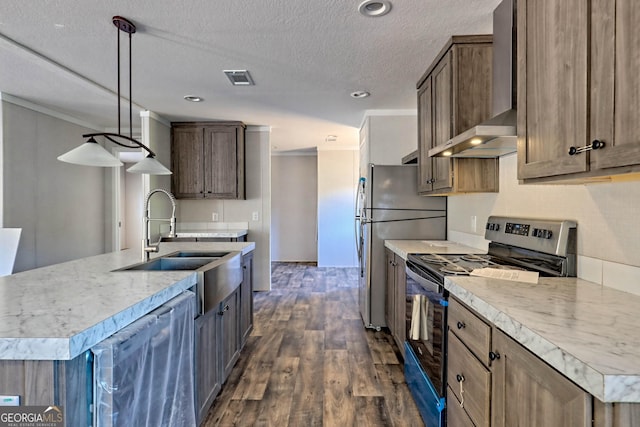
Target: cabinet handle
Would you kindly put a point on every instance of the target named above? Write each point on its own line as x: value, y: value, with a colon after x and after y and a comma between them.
x: 461, y: 325
x: 460, y: 379
x: 595, y: 145
x: 226, y: 308
x: 494, y: 356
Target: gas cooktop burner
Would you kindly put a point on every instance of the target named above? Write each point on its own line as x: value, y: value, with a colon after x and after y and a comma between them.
x: 437, y: 259
x: 454, y: 269
x: 475, y: 258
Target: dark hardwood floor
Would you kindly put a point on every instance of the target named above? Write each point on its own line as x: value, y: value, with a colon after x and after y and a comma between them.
x: 310, y: 362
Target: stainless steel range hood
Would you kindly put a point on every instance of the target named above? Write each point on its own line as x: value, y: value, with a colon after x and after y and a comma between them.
x: 496, y: 136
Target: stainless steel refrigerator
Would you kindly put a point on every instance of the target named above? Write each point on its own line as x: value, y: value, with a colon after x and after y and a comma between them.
x: 388, y: 208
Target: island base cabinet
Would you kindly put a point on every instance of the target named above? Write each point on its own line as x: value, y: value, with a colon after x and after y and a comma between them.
x: 207, y: 372
x: 529, y: 393
x: 246, y: 298
x: 230, y: 330
x: 63, y: 383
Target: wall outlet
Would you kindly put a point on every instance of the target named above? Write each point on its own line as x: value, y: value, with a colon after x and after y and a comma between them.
x: 255, y: 216
x: 9, y: 400
x: 214, y: 216
x: 474, y: 223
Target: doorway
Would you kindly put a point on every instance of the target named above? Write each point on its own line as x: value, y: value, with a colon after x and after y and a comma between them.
x: 128, y: 201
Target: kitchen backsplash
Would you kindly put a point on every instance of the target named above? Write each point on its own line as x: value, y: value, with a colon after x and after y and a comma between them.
x: 607, y: 216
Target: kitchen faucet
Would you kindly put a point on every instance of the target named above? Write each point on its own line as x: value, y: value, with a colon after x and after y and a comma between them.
x: 147, y: 247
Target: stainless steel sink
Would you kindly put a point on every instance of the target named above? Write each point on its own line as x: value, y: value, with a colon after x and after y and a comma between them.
x: 219, y: 273
x: 198, y: 254
x: 170, y: 263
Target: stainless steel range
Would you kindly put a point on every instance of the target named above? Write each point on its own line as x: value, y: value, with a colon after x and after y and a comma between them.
x: 547, y: 247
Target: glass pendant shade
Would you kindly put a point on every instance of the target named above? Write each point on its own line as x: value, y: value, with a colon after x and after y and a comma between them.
x: 90, y: 154
x: 149, y: 165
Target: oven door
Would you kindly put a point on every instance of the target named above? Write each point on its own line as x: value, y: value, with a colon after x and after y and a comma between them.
x: 426, y: 343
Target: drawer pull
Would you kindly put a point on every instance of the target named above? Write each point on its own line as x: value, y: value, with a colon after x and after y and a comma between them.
x: 460, y: 379
x: 226, y: 308
x: 494, y: 356
x: 460, y: 325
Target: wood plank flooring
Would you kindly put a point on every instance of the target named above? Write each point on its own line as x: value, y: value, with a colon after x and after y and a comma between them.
x: 310, y: 362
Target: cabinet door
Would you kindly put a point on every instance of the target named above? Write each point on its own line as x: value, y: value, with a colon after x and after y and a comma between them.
x: 246, y: 298
x: 615, y: 94
x: 187, y: 163
x: 472, y: 68
x: 528, y: 392
x: 390, y: 289
x: 442, y: 120
x: 229, y: 327
x: 552, y: 86
x: 221, y: 162
x: 425, y: 136
x: 400, y: 299
x: 207, y: 371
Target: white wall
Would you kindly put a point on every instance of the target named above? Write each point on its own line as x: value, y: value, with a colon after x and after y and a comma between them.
x: 294, y: 208
x: 258, y: 199
x: 337, y: 180
x: 59, y: 206
x: 607, y: 216
x: 386, y: 137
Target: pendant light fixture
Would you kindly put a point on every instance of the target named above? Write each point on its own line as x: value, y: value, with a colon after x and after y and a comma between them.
x: 93, y: 154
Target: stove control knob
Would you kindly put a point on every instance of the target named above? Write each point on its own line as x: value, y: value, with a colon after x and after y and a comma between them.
x: 537, y: 232
x: 547, y: 234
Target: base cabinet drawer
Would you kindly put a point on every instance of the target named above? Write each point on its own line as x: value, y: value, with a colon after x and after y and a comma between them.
x: 469, y: 381
x: 473, y: 331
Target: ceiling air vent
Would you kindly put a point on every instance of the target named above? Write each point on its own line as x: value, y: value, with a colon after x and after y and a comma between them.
x: 239, y: 77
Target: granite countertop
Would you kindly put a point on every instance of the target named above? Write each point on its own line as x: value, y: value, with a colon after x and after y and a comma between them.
x: 231, y: 233
x: 60, y: 311
x: 405, y: 247
x: 587, y: 332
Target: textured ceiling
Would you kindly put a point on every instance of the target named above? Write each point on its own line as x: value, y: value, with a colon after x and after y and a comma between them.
x: 305, y: 57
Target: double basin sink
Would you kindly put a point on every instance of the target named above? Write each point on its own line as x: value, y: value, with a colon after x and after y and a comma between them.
x: 219, y: 273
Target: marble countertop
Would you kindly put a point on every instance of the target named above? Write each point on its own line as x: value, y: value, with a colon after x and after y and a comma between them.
x: 212, y: 233
x: 405, y: 247
x: 587, y: 332
x: 58, y: 312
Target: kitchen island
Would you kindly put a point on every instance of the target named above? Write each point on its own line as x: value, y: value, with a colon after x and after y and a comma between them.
x: 60, y: 311
x: 52, y: 316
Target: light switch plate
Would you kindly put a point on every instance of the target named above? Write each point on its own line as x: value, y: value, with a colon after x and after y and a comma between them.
x: 255, y: 216
x: 214, y: 216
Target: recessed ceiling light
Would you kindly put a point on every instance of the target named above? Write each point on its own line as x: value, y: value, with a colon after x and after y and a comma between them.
x: 58, y: 26
x: 193, y: 98
x: 360, y: 94
x: 331, y: 138
x: 374, y: 8
x: 239, y: 77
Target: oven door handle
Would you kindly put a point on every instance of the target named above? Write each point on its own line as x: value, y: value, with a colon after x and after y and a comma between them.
x: 424, y: 282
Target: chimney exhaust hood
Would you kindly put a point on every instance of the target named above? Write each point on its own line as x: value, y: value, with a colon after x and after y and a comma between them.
x: 496, y: 136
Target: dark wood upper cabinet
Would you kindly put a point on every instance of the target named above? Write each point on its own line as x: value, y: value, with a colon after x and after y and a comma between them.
x: 578, y: 82
x: 454, y: 95
x: 208, y: 160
